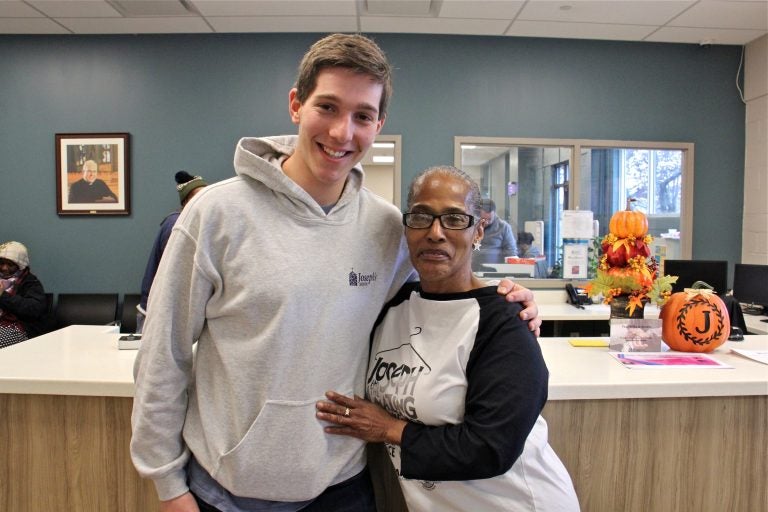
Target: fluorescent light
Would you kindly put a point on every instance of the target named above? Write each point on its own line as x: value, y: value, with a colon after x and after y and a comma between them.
x: 384, y: 144
x: 383, y: 159
x: 468, y: 146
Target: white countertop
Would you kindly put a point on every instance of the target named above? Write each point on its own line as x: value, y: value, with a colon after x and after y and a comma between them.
x: 577, y: 373
x: 85, y: 360
x: 565, y: 311
x: 78, y: 360
x: 755, y: 324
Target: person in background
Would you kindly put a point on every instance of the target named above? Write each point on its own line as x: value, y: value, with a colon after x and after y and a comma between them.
x: 498, y: 242
x: 187, y: 186
x: 23, y: 307
x: 456, y: 382
x: 525, y: 247
x: 89, y: 188
x: 230, y: 425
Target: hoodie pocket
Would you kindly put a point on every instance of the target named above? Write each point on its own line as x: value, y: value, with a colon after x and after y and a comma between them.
x: 286, y: 455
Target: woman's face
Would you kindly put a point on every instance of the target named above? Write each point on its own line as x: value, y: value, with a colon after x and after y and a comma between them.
x: 7, y: 268
x: 443, y: 257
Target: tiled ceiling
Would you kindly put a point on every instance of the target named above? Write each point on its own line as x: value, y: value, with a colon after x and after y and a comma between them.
x: 731, y: 22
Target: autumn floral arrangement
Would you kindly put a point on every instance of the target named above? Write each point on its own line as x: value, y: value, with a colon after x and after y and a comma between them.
x: 626, y: 268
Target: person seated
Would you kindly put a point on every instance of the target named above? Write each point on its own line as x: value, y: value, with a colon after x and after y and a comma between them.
x: 498, y: 242
x: 525, y: 247
x: 90, y: 189
x: 456, y: 382
x: 23, y: 307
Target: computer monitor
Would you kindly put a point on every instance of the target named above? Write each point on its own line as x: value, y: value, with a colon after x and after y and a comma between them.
x: 750, y: 286
x: 714, y: 273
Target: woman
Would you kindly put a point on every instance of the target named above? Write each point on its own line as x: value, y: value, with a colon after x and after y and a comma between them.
x: 23, y: 306
x: 456, y: 382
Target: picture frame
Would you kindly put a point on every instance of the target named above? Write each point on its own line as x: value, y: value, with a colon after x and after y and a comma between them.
x: 93, y: 174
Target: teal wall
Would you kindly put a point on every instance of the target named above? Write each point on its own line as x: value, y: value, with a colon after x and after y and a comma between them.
x: 187, y: 99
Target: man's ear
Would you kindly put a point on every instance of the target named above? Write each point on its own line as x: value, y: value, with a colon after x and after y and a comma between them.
x: 380, y: 123
x: 294, y: 106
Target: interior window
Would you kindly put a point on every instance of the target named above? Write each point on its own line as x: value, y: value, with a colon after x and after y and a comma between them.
x: 532, y: 181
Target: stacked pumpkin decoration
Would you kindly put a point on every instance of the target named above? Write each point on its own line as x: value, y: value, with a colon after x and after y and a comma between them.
x: 695, y: 320
x: 626, y: 269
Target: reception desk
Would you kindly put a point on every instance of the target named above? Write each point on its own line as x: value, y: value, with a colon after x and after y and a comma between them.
x: 65, y: 425
x: 632, y: 440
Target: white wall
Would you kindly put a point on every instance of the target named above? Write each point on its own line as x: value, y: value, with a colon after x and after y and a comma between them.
x: 754, y: 244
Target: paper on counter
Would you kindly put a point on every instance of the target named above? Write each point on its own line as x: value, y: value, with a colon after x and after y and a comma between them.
x: 761, y: 356
x: 588, y: 342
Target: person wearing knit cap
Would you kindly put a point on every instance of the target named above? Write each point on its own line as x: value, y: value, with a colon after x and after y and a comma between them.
x: 187, y: 186
x: 23, y: 306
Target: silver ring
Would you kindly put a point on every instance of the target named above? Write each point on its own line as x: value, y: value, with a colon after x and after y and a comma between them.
x: 346, y: 412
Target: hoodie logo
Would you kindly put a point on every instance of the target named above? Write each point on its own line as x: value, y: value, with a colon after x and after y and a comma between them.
x: 360, y: 279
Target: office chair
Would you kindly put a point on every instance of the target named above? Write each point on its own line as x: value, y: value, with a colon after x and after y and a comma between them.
x: 128, y: 313
x: 49, y: 321
x: 85, y: 309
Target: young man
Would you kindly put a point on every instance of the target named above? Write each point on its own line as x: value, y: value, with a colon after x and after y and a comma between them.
x: 279, y: 274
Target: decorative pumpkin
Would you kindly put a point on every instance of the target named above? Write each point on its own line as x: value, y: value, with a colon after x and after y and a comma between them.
x: 694, y: 321
x: 628, y: 223
x: 644, y: 279
x: 620, y: 252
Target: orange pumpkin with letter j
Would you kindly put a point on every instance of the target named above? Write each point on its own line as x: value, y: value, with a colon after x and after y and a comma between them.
x: 694, y: 321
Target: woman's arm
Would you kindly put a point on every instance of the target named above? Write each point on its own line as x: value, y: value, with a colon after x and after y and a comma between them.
x: 507, y: 388
x: 29, y: 301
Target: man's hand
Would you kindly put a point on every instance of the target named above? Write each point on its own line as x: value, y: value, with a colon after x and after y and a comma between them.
x: 516, y: 293
x: 184, y: 503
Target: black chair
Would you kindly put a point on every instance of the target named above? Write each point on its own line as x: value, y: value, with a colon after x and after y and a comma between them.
x: 85, y: 309
x: 49, y: 322
x: 128, y: 313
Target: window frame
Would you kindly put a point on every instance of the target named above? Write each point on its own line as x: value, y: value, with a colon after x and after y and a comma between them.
x: 576, y: 145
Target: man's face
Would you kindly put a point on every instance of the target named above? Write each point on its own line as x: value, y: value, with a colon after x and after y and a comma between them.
x: 487, y: 217
x: 89, y: 173
x: 337, y: 125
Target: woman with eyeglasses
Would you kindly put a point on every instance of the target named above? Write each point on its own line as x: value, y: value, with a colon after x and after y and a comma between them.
x: 456, y: 382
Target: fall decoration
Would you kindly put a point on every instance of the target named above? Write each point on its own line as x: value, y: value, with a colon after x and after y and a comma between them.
x: 626, y: 268
x: 694, y: 320
x: 629, y: 223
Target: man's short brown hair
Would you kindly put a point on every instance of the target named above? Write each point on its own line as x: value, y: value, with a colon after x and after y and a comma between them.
x: 352, y: 51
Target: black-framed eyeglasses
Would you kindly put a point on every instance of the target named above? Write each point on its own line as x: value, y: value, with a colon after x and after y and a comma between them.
x: 447, y: 220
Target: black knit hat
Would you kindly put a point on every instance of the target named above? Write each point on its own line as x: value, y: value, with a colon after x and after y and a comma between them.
x: 187, y: 183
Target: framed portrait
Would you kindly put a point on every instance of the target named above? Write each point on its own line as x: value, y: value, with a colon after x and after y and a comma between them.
x: 92, y: 174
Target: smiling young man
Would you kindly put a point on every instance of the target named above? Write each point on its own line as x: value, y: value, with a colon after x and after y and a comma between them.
x: 279, y: 274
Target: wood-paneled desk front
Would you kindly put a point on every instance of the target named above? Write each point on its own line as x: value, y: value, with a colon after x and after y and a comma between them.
x: 65, y: 425
x: 632, y: 440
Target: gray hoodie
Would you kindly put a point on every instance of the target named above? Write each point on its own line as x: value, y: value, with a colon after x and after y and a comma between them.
x: 282, y: 298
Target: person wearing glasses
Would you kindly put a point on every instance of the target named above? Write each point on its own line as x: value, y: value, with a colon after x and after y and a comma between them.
x: 456, y: 382
x: 279, y: 315
x: 498, y: 241
x: 89, y: 188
